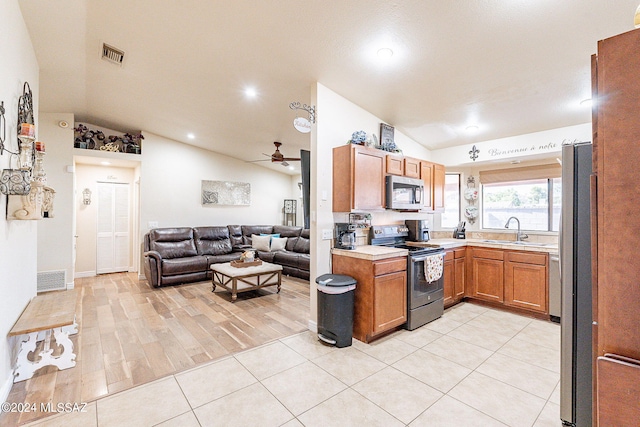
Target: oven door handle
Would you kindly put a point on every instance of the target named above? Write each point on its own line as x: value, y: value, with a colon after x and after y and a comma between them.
x: 420, y: 258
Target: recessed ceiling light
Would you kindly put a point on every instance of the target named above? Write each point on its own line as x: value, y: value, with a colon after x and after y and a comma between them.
x: 472, y: 128
x: 586, y: 102
x: 291, y: 167
x: 105, y: 163
x: 250, y: 92
x: 191, y: 136
x: 385, y: 53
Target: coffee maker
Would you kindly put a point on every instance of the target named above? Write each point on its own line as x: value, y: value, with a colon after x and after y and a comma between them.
x: 418, y: 230
x: 345, y: 236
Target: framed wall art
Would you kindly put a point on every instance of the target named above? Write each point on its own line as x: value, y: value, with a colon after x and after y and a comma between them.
x: 226, y: 193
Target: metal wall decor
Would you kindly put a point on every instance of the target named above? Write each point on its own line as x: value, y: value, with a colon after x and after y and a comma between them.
x: 90, y: 139
x: 25, y: 106
x: 471, y: 195
x: 15, y: 182
x: 226, y: 193
x: 26, y: 128
x: 473, y: 154
x: 300, y: 123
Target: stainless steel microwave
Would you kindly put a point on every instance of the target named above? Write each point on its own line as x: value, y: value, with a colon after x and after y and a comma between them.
x: 404, y: 193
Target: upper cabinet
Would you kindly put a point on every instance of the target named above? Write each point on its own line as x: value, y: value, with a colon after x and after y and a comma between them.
x: 411, y: 167
x: 395, y: 165
x: 438, y: 187
x: 433, y: 176
x: 358, y: 178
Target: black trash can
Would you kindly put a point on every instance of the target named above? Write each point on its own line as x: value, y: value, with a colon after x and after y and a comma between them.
x: 336, y: 294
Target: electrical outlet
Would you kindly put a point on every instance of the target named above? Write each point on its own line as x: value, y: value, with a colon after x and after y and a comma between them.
x: 327, y: 234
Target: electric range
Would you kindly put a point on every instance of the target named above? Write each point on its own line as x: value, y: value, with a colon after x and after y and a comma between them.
x: 425, y: 295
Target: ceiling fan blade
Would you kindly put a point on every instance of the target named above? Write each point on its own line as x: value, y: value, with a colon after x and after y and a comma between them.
x: 261, y: 160
x: 291, y: 159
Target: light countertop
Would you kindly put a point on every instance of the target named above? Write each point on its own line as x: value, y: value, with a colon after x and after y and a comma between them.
x: 499, y: 244
x: 374, y: 253
x: 371, y: 253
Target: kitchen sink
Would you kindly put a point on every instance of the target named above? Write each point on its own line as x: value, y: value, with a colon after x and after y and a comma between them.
x: 513, y: 242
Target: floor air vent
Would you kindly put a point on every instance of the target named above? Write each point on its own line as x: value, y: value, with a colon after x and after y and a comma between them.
x: 112, y: 54
x: 51, y: 280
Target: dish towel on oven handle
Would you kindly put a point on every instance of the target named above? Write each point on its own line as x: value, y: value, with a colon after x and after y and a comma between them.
x: 433, y: 265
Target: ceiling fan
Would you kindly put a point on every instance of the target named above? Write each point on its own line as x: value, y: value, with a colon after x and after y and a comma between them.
x: 278, y: 157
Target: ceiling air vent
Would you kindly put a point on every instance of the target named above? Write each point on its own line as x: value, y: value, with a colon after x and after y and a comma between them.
x: 112, y: 54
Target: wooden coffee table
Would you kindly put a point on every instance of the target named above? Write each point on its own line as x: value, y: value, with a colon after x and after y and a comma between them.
x: 242, y: 279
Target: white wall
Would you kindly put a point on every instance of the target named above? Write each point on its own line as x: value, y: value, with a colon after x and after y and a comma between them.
x: 544, y: 144
x: 55, y: 235
x: 18, y: 239
x: 88, y: 176
x: 338, y: 118
x: 170, y: 187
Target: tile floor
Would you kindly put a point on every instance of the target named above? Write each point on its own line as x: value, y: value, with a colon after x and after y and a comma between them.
x: 473, y: 367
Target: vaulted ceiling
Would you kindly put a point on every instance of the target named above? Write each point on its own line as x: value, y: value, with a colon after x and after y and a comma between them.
x: 508, y: 67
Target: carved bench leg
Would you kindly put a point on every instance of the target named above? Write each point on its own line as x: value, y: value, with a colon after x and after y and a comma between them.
x: 25, y: 368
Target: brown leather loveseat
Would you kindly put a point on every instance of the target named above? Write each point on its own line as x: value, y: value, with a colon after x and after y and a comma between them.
x: 184, y: 254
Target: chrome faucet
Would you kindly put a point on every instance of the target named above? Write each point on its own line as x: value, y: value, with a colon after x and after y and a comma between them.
x: 519, y: 236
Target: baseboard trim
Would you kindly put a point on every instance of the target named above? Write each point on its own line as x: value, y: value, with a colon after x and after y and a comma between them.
x: 70, y: 285
x: 79, y: 274
x: 313, y: 326
x: 6, y: 388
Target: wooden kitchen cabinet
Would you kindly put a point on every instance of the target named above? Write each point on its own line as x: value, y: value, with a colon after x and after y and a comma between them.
x: 438, y: 187
x: 512, y: 278
x: 395, y: 165
x: 454, y: 272
x: 615, y: 263
x: 433, y: 175
x: 380, y: 296
x: 358, y: 178
x: 426, y: 174
x: 526, y: 280
x: 412, y: 167
x: 487, y: 274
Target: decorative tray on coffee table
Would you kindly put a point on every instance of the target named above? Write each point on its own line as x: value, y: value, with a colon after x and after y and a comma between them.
x: 241, y: 264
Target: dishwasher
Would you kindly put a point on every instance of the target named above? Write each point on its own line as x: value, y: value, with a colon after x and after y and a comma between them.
x: 555, y: 289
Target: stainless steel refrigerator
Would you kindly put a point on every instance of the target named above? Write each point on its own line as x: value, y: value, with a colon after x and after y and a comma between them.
x: 575, y: 275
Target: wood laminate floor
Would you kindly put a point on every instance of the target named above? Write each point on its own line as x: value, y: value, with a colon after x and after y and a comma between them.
x: 130, y: 334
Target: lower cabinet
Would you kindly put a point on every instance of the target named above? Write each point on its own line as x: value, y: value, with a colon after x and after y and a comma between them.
x: 454, y: 271
x: 513, y: 278
x: 487, y: 274
x: 389, y: 301
x: 525, y: 281
x: 380, y: 295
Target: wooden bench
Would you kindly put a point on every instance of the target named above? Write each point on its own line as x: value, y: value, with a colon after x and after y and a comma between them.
x: 52, y: 313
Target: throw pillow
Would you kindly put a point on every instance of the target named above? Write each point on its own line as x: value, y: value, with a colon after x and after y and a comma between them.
x: 272, y: 235
x: 260, y: 243
x: 278, y: 243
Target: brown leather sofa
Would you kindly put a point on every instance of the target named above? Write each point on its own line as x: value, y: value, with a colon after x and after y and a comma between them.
x: 184, y: 254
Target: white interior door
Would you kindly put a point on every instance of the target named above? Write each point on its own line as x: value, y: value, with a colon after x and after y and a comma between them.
x: 112, y: 243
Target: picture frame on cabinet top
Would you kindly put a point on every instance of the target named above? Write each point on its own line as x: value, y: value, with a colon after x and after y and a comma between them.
x: 386, y: 134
